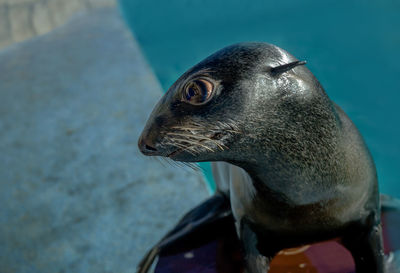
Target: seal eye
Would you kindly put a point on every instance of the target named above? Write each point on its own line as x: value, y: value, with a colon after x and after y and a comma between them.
x: 198, y: 91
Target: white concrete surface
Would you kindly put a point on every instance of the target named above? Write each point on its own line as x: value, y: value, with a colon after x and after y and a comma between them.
x: 75, y: 193
x: 23, y: 19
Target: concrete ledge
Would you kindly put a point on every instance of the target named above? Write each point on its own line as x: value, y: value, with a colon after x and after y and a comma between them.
x: 75, y: 194
x: 23, y: 19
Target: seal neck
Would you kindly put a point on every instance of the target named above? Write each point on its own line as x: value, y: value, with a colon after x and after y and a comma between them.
x: 286, y: 184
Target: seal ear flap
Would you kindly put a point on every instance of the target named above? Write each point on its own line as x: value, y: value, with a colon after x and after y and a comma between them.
x: 278, y: 70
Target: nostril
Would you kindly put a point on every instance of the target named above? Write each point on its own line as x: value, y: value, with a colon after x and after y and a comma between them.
x: 147, y: 147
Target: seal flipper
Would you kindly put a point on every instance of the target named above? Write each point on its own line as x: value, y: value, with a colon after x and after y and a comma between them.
x: 367, y: 249
x: 256, y: 262
x: 206, y: 218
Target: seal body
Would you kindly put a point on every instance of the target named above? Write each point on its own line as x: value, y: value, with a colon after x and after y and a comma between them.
x: 293, y: 165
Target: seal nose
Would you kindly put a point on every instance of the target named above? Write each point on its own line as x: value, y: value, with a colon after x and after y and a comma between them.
x: 146, y: 147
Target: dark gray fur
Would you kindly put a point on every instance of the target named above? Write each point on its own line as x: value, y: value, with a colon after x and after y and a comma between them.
x: 313, y: 174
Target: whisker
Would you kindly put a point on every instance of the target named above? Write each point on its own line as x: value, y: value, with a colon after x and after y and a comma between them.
x: 182, y: 165
x: 193, y: 166
x: 182, y: 146
x: 170, y: 162
x: 186, y: 128
x: 173, y: 163
x: 159, y: 160
x: 189, y: 165
x: 196, y: 143
x: 186, y: 148
x: 220, y: 145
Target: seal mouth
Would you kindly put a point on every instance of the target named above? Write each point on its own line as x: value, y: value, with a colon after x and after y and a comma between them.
x: 171, y: 155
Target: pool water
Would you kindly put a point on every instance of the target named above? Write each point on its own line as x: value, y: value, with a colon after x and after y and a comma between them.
x: 353, y: 48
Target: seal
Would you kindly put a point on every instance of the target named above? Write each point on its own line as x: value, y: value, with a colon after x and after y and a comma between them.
x: 289, y: 163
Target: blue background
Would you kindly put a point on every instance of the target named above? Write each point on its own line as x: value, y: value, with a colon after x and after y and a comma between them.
x: 351, y: 46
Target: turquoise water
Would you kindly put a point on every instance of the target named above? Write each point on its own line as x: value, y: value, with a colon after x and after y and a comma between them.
x: 353, y: 47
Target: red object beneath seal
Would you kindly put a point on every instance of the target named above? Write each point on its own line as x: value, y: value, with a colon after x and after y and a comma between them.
x: 223, y: 255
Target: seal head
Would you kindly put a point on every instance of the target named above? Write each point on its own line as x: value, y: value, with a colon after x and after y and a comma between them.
x: 227, y: 100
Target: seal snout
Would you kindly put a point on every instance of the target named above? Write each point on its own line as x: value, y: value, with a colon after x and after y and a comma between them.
x: 146, y: 147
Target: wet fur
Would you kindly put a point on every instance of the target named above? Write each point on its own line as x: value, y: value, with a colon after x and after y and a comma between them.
x: 312, y: 172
